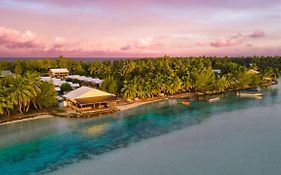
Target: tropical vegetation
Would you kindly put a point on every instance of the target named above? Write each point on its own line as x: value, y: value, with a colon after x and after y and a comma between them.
x: 22, y: 93
x: 136, y: 78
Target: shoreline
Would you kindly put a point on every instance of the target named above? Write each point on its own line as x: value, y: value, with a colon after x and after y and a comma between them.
x: 37, y: 117
x: 121, y: 107
x: 138, y: 103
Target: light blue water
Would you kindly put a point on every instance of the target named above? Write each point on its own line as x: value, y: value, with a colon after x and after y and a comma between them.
x: 43, y: 146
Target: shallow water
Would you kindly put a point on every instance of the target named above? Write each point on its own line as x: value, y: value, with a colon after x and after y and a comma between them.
x: 233, y: 136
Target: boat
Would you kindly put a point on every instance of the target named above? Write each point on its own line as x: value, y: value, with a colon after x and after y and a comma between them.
x: 185, y: 102
x: 215, y: 99
x: 250, y: 93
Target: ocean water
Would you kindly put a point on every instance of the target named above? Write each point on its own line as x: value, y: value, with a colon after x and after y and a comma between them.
x: 233, y: 136
x: 87, y: 59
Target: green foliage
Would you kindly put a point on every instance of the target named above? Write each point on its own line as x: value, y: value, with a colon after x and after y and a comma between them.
x: 65, y: 87
x: 143, y: 78
x: 47, y: 97
x: 109, y: 85
x: 23, y: 92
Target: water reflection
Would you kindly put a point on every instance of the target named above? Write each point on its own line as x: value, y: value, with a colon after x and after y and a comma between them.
x: 96, y: 130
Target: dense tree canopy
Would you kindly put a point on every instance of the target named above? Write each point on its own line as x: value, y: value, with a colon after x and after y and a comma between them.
x: 142, y: 78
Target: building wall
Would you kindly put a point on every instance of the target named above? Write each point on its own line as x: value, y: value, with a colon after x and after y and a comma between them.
x: 60, y: 74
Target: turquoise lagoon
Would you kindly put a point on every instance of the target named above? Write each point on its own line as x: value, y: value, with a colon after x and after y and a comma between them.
x: 233, y: 136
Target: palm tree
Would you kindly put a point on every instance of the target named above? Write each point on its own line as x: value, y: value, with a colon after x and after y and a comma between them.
x: 95, y: 67
x: 21, y: 92
x: 7, y: 101
x: 129, y: 90
x: 34, y: 84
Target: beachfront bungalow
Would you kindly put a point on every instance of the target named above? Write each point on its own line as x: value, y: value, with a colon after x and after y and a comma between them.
x: 62, y: 72
x: 86, y: 99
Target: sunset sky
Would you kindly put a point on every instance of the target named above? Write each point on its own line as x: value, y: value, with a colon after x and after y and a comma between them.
x: 128, y: 28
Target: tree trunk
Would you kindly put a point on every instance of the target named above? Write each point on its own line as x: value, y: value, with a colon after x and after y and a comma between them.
x: 34, y: 103
x: 8, y: 112
x: 20, y: 106
x: 27, y: 106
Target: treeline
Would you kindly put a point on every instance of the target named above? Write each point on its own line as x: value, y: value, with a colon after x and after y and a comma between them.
x: 21, y: 93
x: 102, y: 69
x: 142, y: 78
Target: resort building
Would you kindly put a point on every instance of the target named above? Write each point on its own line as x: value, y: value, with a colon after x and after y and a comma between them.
x: 62, y: 72
x: 87, y: 99
x: 94, y: 81
x: 58, y: 82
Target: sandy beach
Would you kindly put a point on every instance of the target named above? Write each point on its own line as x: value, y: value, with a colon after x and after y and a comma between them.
x: 120, y: 106
x: 138, y: 103
x: 27, y: 119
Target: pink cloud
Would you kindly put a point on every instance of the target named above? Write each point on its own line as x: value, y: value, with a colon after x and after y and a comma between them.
x: 224, y: 43
x: 142, y: 43
x: 63, y: 44
x: 232, y: 40
x: 14, y: 39
x: 257, y: 34
x: 127, y: 47
x: 26, y: 45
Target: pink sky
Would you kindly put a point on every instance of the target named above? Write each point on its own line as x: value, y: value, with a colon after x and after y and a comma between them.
x: 127, y: 28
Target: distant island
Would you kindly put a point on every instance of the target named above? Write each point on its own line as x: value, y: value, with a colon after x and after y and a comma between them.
x: 132, y: 79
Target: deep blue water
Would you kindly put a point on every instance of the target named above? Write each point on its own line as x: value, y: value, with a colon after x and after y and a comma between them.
x: 43, y: 146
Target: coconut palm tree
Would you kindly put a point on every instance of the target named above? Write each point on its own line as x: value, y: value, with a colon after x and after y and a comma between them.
x: 129, y: 90
x: 7, y: 101
x: 22, y: 92
x: 34, y: 83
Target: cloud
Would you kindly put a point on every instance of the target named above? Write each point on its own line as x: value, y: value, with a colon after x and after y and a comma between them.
x: 127, y: 47
x: 59, y: 42
x: 14, y: 39
x: 231, y: 41
x: 257, y: 34
x: 19, y: 43
x: 22, y: 42
x: 142, y: 43
x: 224, y: 43
x: 63, y: 44
x: 234, y: 40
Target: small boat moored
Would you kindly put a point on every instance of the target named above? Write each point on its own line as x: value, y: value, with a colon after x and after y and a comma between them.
x: 215, y: 99
x: 250, y: 93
